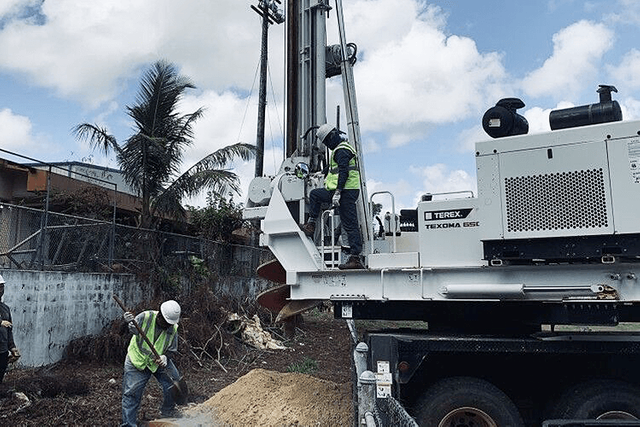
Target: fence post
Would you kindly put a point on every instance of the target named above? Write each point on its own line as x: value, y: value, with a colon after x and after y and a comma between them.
x: 45, y: 222
x: 360, y: 358
x: 366, y: 398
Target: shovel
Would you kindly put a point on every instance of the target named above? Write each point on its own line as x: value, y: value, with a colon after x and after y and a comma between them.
x: 178, y: 388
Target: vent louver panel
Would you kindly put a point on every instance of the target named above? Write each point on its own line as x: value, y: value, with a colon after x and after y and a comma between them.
x: 556, y: 201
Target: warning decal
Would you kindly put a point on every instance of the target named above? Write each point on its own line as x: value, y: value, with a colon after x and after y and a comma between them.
x: 634, y: 159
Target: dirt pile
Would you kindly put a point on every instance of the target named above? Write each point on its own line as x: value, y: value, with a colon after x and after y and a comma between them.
x: 268, y: 398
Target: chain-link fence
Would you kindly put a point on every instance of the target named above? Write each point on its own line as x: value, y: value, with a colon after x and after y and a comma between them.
x: 371, y: 409
x: 32, y: 239
x: 389, y: 412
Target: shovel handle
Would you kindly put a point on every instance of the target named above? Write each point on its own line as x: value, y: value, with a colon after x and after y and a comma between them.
x: 140, y: 331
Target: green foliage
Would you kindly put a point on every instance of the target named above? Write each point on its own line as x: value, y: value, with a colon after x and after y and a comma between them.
x: 152, y: 156
x: 167, y: 281
x: 199, y: 266
x: 218, y: 219
x: 307, y: 366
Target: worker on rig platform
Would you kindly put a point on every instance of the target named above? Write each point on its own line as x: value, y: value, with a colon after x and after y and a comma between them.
x: 342, y: 189
x: 161, y: 327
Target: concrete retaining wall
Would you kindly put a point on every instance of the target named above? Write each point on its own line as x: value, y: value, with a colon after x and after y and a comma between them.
x: 51, y: 308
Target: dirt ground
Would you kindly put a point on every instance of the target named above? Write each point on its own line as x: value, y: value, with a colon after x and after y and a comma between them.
x: 309, y: 383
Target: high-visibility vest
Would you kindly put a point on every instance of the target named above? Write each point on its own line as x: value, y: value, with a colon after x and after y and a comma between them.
x: 353, y: 180
x: 139, y: 351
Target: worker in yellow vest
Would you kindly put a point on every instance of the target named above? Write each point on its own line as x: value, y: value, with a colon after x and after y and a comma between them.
x: 341, y: 189
x: 161, y: 327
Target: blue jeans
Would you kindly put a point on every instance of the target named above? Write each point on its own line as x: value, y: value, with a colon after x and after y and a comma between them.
x: 133, y: 384
x: 347, y: 210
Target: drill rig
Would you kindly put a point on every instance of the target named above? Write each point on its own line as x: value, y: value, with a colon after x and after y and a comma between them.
x: 552, y: 238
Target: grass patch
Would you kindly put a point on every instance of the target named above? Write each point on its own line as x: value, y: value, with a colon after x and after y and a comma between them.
x: 307, y: 366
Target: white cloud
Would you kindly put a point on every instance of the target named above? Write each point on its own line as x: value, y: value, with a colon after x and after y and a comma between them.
x: 625, y: 12
x: 86, y: 50
x: 222, y: 123
x: 371, y: 145
x: 411, y: 75
x: 469, y: 137
x: 538, y: 119
x: 439, y: 178
x: 576, y: 52
x: 8, y: 7
x: 228, y: 119
x: 627, y: 70
x: 630, y: 108
x: 402, y: 192
x: 16, y: 131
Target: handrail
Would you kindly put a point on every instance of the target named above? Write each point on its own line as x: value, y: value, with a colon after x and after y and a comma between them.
x: 333, y: 237
x: 447, y: 193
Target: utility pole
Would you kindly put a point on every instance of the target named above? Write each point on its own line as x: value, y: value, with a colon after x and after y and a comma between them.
x: 270, y: 15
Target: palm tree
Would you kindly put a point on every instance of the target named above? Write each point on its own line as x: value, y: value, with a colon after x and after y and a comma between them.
x: 150, y: 159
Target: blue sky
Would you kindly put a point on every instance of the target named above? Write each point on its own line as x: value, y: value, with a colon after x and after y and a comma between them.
x: 426, y: 73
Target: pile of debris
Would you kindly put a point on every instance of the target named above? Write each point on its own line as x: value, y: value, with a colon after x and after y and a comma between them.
x: 210, y: 332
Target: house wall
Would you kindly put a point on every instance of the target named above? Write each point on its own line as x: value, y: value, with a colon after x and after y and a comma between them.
x: 49, y: 309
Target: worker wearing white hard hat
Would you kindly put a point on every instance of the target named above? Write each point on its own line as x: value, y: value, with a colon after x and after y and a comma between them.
x: 161, y: 327
x: 8, y: 350
x: 341, y: 189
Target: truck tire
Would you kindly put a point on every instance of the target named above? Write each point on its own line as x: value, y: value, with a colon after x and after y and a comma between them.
x: 600, y: 400
x: 465, y: 402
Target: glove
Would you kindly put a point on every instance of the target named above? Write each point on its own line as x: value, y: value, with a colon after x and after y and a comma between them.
x: 335, y: 200
x: 6, y: 324
x: 128, y: 317
x: 14, y: 355
x: 162, y: 361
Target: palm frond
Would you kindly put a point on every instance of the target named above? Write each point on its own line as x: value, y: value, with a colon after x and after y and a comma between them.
x: 160, y: 91
x: 208, y: 174
x: 97, y: 136
x: 220, y: 158
x: 211, y: 171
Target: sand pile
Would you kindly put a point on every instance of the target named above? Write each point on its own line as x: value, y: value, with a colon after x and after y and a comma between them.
x: 267, y: 398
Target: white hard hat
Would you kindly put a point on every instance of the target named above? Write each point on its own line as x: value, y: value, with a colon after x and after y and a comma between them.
x: 323, y: 131
x: 2, y: 281
x: 170, y: 311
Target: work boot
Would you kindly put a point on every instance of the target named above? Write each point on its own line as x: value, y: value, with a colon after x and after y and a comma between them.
x: 309, y: 228
x: 353, y: 263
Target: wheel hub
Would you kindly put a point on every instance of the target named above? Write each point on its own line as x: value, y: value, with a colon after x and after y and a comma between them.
x: 616, y: 415
x: 467, y: 417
